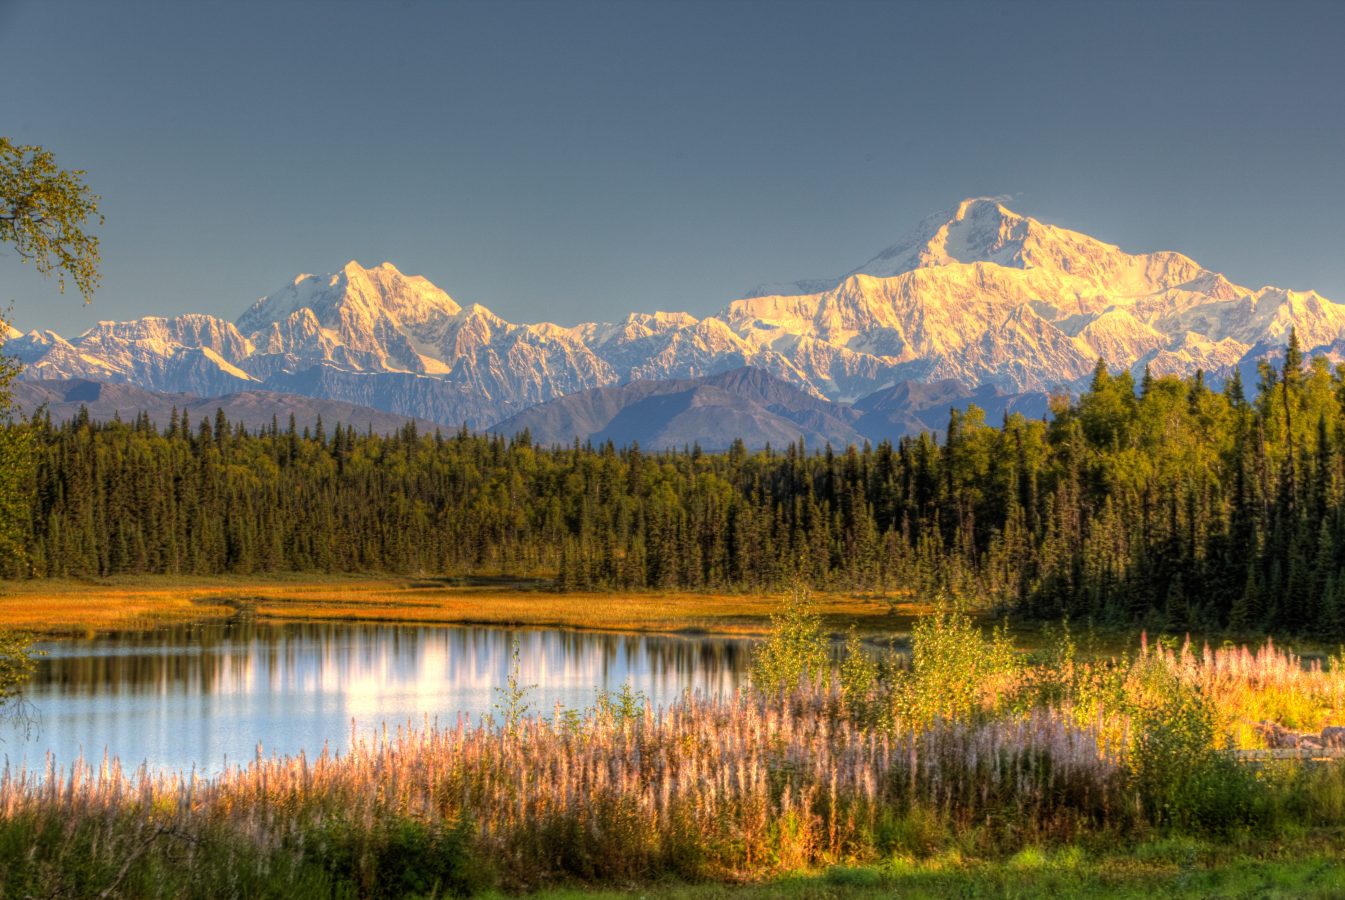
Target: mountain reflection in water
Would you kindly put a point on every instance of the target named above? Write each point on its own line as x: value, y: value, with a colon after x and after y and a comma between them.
x: 198, y: 695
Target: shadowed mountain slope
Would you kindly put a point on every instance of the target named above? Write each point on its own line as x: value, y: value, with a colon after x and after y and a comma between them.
x: 756, y: 407
x: 63, y: 400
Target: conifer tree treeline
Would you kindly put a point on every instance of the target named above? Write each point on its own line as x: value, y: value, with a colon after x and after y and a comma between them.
x: 1171, y: 504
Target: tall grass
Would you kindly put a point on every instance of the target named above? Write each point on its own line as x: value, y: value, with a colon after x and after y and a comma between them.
x: 867, y: 764
x: 707, y: 788
x: 1266, y: 684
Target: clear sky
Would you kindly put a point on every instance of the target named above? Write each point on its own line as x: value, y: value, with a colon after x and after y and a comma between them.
x: 568, y: 161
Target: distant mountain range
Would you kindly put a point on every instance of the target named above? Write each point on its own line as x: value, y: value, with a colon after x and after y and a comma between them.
x: 976, y: 304
x: 756, y: 407
x: 103, y: 401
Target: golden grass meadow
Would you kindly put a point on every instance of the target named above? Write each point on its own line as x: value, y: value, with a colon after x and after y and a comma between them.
x: 65, y: 607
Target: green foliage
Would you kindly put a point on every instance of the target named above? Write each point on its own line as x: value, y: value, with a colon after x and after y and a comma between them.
x: 1092, y: 690
x: 1178, y: 761
x: 16, y: 667
x: 16, y: 480
x: 956, y: 672
x: 916, y: 831
x: 853, y: 877
x: 1180, y: 509
x: 1305, y: 796
x: 399, y: 858
x: 795, y: 651
x: 511, y: 701
x: 625, y: 705
x: 127, y: 855
x: 1052, y: 675
x: 16, y: 471
x: 44, y: 211
x: 858, y: 676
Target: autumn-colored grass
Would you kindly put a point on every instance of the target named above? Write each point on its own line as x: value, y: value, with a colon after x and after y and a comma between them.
x: 1250, y: 686
x: 87, y: 609
x: 734, y: 790
x: 729, y: 789
x: 65, y: 607
x: 664, y: 612
x: 874, y: 773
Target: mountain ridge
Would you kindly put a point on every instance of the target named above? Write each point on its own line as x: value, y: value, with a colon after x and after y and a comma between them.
x: 63, y: 400
x: 978, y: 294
x: 755, y: 407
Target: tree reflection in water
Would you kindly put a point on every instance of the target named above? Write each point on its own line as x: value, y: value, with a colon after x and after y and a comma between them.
x: 196, y: 695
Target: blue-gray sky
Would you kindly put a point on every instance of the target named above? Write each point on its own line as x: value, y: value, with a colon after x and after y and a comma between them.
x: 575, y: 160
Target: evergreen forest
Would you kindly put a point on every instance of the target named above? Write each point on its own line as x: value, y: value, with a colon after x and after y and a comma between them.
x: 1165, y: 503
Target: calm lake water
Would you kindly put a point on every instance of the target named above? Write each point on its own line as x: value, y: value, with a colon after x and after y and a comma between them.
x: 206, y: 694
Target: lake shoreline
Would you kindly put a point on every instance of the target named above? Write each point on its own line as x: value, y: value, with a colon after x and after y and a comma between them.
x: 200, y: 694
x: 53, y: 608
x: 72, y: 608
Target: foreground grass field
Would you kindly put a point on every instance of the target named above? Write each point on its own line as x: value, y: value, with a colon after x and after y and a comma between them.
x: 1312, y: 866
x: 62, y: 607
x: 966, y: 769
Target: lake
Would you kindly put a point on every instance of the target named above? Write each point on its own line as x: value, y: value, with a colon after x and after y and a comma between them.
x: 206, y: 694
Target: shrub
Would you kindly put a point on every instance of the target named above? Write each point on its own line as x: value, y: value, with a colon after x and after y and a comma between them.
x: 1302, y: 796
x: 625, y: 705
x: 1179, y: 764
x: 795, y: 652
x: 512, y: 700
x: 858, y: 677
x: 956, y: 672
x: 399, y: 857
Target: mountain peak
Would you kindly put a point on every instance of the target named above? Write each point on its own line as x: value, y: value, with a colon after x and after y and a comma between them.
x: 980, y: 206
x: 978, y: 229
x: 981, y: 230
x: 351, y: 294
x: 977, y: 293
x: 385, y: 269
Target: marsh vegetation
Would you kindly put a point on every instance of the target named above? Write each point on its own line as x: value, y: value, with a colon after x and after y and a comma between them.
x: 962, y: 755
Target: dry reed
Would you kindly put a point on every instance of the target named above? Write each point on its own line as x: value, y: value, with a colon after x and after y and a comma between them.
x: 733, y: 787
x: 723, y: 788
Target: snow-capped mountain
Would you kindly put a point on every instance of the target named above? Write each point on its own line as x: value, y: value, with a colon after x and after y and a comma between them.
x: 977, y: 294
x: 986, y: 296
